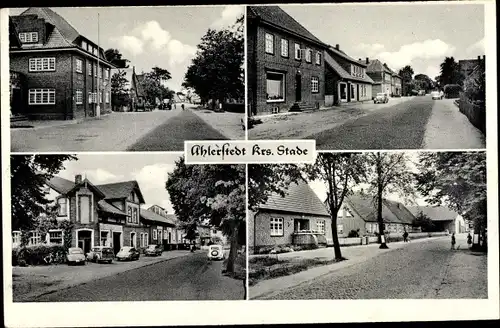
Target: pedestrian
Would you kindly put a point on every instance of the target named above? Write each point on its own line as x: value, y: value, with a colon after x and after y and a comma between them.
x: 469, y: 239
x: 453, y: 241
x: 182, y: 106
x: 405, y: 236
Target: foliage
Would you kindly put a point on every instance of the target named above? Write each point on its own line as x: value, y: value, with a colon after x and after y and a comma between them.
x: 338, y: 171
x: 265, y: 179
x: 210, y: 193
x: 450, y: 72
x: 37, y: 255
x: 452, y: 90
x: 353, y: 234
x: 119, y: 94
x: 216, y: 71
x: 406, y: 74
x: 475, y: 85
x: 28, y: 176
x: 424, y: 82
x: 457, y: 180
x: 423, y: 221
x: 153, y: 85
x: 115, y: 57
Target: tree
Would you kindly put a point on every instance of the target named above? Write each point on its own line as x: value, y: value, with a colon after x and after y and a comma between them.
x: 406, y: 74
x: 424, y: 82
x: 115, y: 57
x: 458, y: 180
x: 119, y: 94
x: 217, y: 70
x: 423, y: 221
x: 210, y: 193
x: 153, y: 85
x: 338, y: 171
x: 450, y: 72
x: 29, y: 174
x: 387, y: 173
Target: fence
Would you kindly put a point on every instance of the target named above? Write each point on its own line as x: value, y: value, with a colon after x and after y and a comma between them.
x: 475, y: 112
x: 390, y: 238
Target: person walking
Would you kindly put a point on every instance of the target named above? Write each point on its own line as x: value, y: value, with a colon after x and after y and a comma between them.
x: 405, y: 236
x: 453, y: 241
x: 182, y: 106
x: 469, y: 239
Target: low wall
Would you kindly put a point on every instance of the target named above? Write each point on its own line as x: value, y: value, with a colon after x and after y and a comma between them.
x: 476, y: 113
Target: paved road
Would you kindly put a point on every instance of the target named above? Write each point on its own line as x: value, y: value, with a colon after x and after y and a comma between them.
x: 413, y: 124
x: 170, y: 136
x: 420, y: 270
x: 190, y: 277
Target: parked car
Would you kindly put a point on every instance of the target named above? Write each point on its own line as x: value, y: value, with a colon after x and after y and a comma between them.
x: 75, y: 256
x: 153, y: 250
x: 421, y: 92
x: 127, y: 253
x: 215, y: 252
x: 101, y: 254
x: 381, y: 98
x: 436, y: 95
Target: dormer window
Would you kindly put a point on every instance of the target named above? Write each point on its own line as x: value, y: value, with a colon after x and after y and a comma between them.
x: 28, y: 37
x: 84, y: 45
x: 94, y: 51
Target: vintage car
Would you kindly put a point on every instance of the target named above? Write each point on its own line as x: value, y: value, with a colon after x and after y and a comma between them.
x: 215, y: 252
x: 381, y: 98
x: 437, y: 95
x: 101, y: 254
x: 75, y: 256
x: 128, y: 253
x: 153, y: 250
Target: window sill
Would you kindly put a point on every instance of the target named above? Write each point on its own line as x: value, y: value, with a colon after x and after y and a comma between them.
x: 277, y: 235
x: 275, y: 101
x: 41, y: 104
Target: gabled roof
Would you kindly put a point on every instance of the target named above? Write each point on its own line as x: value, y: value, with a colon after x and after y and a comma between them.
x: 152, y: 216
x: 60, y: 185
x: 376, y: 65
x: 342, y: 54
x: 67, y: 31
x: 392, y: 211
x: 437, y: 213
x: 13, y: 35
x: 104, y: 206
x: 401, y: 211
x: 136, y: 84
x: 86, y: 183
x: 121, y: 190
x: 330, y: 61
x: 300, y: 199
x: 277, y: 17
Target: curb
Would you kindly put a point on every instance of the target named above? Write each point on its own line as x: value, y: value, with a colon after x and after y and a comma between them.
x: 31, y: 298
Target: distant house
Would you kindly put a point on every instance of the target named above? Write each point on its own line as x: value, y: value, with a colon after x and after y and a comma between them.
x: 359, y: 213
x: 381, y: 75
x: 299, y: 218
x: 66, y: 74
x: 345, y: 78
x: 443, y: 218
x: 285, y: 63
x: 467, y: 66
x: 163, y: 228
x: 396, y: 84
x: 137, y: 94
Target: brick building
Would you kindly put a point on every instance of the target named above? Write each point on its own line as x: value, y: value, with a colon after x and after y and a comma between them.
x: 61, y: 66
x: 467, y: 66
x: 286, y: 69
x: 381, y: 75
x: 299, y: 218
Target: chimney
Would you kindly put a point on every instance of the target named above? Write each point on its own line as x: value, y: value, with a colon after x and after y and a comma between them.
x: 484, y: 57
x: 78, y: 179
x: 359, y: 59
x: 337, y: 46
x: 478, y: 57
x: 367, y: 60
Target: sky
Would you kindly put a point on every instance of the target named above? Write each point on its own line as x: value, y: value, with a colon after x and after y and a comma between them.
x: 149, y: 170
x: 420, y: 35
x: 150, y: 36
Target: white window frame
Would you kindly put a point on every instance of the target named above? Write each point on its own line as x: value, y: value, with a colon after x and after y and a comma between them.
x: 297, y: 52
x: 318, y: 58
x: 134, y: 243
x: 280, y: 230
x: 79, y: 65
x: 100, y: 97
x: 308, y: 55
x: 155, y: 234
x: 84, y: 45
x: 320, y: 226
x: 79, y: 97
x: 314, y: 84
x: 269, y: 47
x: 91, y: 218
x: 35, y: 238
x: 107, y: 97
x: 107, y: 74
x: 95, y: 69
x: 42, y: 64
x: 28, y: 37
x: 284, y: 48
x: 62, y: 208
x: 100, y: 72
x: 107, y: 242
x: 50, y: 93
x: 90, y: 68
x: 49, y: 239
x: 16, y: 238
x: 283, y: 87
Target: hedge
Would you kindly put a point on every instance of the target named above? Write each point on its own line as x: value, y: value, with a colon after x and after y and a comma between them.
x: 452, y: 90
x: 36, y: 255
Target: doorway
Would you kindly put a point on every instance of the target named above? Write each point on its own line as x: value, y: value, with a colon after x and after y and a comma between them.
x: 84, y: 240
x: 132, y: 240
x: 298, y: 87
x: 16, y: 102
x: 117, y: 241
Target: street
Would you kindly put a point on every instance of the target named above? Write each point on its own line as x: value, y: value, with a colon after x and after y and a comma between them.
x: 190, y: 277
x: 420, y: 270
x: 164, y: 130
x: 418, y: 123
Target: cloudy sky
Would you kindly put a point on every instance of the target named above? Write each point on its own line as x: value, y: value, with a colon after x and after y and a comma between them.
x: 149, y: 170
x: 151, y: 36
x: 420, y: 35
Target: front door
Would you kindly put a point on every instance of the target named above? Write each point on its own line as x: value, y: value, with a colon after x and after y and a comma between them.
x: 85, y: 240
x: 298, y: 88
x: 16, y: 101
x: 117, y: 244
x: 132, y: 239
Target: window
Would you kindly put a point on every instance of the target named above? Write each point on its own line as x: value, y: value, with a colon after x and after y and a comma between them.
x: 343, y: 91
x: 146, y: 239
x: 155, y: 234
x: 314, y: 84
x: 104, y: 238
x: 340, y: 228
x: 107, y: 74
x: 79, y: 97
x: 318, y: 58
x: 100, y: 97
x: 62, y: 207
x: 79, y: 65
x: 42, y: 64
x: 90, y: 69
x: 84, y: 208
x: 284, y: 47
x: 95, y: 70
x: 269, y: 43
x: 16, y: 238
x: 275, y: 84
x: 42, y: 96
x: 84, y: 45
x: 35, y: 238
x: 320, y: 226
x: 129, y: 218
x: 28, y: 37
x: 56, y: 237
x: 94, y: 51
x: 308, y: 55
x: 107, y: 97
x: 135, y: 216
x: 100, y: 72
x: 297, y: 51
x: 90, y: 97
x: 276, y: 227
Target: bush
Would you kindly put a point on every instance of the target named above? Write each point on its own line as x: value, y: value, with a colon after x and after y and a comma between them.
x: 35, y: 255
x: 452, y: 90
x: 353, y: 234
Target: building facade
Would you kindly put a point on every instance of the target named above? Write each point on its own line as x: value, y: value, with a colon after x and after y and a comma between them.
x: 285, y: 63
x: 443, y: 218
x: 67, y: 75
x: 381, y: 76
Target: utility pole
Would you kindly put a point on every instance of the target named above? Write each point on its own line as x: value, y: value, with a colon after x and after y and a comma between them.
x: 99, y: 74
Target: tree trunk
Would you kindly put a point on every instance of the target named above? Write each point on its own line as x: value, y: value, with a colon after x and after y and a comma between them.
x: 232, y: 251
x: 336, y: 244
x: 380, y: 219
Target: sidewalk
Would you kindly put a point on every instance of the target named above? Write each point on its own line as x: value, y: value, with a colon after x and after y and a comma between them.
x: 353, y: 254
x: 447, y: 128
x: 226, y: 123
x: 28, y: 283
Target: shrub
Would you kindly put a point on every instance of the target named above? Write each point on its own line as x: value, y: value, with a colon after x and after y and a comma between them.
x: 452, y: 90
x: 35, y: 255
x: 353, y: 234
